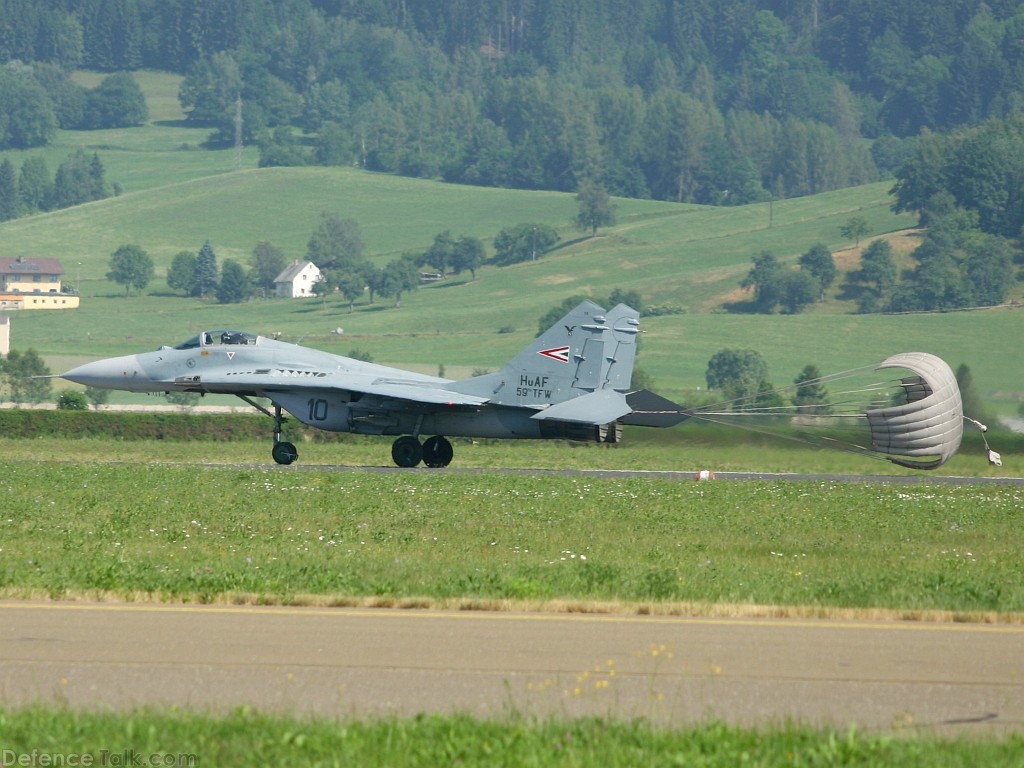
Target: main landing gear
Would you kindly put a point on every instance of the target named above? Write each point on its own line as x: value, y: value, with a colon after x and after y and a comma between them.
x: 406, y: 451
x: 434, y: 451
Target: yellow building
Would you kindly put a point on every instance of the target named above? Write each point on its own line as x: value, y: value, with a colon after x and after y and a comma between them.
x: 29, y: 283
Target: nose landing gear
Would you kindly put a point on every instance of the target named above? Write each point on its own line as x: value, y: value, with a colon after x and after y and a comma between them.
x: 283, y: 451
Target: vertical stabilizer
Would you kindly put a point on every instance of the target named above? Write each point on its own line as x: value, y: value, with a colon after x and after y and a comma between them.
x: 587, y: 351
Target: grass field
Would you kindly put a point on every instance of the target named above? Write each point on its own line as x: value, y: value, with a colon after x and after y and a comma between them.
x: 245, y: 738
x: 156, y: 529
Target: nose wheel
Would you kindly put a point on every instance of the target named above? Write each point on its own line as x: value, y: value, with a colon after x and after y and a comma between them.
x: 434, y: 452
x: 284, y: 452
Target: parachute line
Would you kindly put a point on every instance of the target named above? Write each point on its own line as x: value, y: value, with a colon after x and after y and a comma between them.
x: 914, y: 420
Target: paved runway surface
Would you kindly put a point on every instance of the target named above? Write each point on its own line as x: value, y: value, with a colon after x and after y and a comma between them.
x: 943, y: 678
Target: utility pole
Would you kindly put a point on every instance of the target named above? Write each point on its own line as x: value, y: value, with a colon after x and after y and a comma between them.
x: 238, y: 133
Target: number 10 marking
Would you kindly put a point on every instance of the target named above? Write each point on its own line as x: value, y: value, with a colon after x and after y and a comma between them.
x: 317, y: 409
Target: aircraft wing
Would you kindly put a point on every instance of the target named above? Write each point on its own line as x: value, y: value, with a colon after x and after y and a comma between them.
x: 417, y: 392
x: 426, y: 391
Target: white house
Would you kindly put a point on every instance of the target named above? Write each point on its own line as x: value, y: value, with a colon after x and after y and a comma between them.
x: 297, y: 280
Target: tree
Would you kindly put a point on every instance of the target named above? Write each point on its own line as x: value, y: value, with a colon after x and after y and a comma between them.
x: 877, y: 267
x: 10, y: 200
x: 132, y: 267
x: 97, y: 396
x: 282, y: 148
x: 855, y: 229
x: 973, y: 406
x: 764, y: 279
x: 333, y: 146
x: 267, y: 263
x: 523, y: 242
x: 28, y: 116
x: 234, y: 283
x: 117, y: 102
x: 594, y: 207
x: 811, y: 394
x: 468, y: 253
x: 627, y: 296
x: 24, y: 372
x: 398, y: 277
x: 939, y: 281
x: 989, y: 270
x: 738, y: 373
x: 797, y: 289
x: 35, y: 184
x: 351, y: 286
x: 210, y: 89
x: 819, y: 262
x: 181, y: 275
x: 336, y: 244
x: 441, y: 251
x: 79, y: 179
x: 877, y: 274
x: 204, y: 279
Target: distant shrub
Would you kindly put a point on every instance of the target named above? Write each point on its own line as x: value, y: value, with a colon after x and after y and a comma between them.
x: 73, y: 401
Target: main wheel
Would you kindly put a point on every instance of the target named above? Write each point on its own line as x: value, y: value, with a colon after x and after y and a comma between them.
x: 284, y: 453
x: 437, y: 452
x: 407, y: 451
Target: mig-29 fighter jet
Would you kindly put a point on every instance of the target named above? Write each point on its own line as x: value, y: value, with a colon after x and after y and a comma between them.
x: 572, y: 382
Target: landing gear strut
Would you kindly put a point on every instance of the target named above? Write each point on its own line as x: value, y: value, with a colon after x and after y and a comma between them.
x: 435, y: 452
x: 283, y: 451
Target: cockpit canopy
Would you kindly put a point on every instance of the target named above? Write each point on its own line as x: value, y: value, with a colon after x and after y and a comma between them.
x: 216, y: 338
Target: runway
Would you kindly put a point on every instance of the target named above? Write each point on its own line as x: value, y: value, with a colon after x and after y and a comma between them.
x: 947, y: 679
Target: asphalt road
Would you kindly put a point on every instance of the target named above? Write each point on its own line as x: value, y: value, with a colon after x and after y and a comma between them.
x: 884, y: 676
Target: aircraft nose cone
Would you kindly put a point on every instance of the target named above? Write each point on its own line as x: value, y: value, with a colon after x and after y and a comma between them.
x: 113, y: 373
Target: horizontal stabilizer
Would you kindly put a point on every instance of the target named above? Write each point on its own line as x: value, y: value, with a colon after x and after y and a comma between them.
x: 601, y: 407
x: 651, y: 410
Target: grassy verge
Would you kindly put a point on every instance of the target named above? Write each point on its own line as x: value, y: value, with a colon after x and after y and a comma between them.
x: 269, y: 534
x: 40, y: 435
x: 245, y: 738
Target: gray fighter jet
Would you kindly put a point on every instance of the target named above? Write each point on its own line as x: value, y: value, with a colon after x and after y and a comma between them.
x: 572, y: 382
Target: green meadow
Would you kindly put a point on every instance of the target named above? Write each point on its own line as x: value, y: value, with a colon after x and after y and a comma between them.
x: 246, y: 738
x: 252, y: 533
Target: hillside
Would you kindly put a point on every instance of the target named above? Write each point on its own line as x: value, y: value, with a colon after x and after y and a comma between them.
x: 689, y: 257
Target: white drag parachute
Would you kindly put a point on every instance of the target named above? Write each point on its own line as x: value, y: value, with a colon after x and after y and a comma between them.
x: 925, y: 431
x: 914, y: 419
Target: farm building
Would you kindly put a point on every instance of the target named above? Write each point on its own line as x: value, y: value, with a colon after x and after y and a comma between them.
x: 30, y: 283
x: 297, y: 280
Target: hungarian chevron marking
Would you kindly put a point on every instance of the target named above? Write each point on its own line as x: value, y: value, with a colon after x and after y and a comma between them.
x: 561, y: 354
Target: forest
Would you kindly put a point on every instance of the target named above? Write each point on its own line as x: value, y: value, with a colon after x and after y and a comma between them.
x: 721, y: 102
x: 707, y: 101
